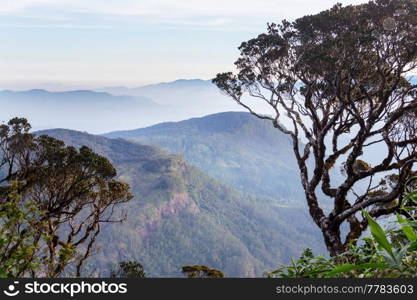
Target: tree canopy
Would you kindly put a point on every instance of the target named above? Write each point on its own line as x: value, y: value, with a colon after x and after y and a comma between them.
x: 338, y: 80
x: 58, y: 194
x: 198, y: 271
x: 128, y: 269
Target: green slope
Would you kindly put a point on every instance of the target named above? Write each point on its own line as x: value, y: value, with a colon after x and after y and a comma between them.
x: 234, y: 147
x: 180, y: 216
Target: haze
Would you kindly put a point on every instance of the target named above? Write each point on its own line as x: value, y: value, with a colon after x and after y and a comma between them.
x: 72, y: 44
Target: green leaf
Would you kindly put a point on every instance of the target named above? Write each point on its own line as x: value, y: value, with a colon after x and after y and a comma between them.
x: 413, y: 246
x: 409, y: 208
x: 400, y: 254
x: 411, y: 179
x: 390, y: 259
x: 350, y: 267
x: 378, y: 233
x: 407, y: 229
x: 412, y: 196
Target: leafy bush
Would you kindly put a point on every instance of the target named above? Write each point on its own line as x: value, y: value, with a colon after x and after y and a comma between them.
x: 201, y: 272
x: 128, y: 269
x: 387, y: 254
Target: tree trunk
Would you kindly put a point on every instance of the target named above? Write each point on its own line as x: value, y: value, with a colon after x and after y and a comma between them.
x: 332, y: 238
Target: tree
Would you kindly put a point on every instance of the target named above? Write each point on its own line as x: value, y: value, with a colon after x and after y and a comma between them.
x: 18, y: 225
x: 201, y: 272
x: 336, y: 84
x: 74, y: 191
x: 128, y: 269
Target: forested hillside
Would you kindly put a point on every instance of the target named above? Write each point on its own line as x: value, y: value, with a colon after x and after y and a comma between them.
x: 236, y: 148
x: 180, y: 216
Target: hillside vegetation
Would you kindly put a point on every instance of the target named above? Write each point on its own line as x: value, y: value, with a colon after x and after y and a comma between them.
x: 235, y: 148
x: 180, y: 216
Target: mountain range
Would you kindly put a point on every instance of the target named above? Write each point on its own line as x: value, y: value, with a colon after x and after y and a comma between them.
x: 182, y: 92
x: 221, y: 190
x: 235, y: 148
x: 109, y: 109
x: 83, y: 110
x: 180, y: 216
x: 191, y: 97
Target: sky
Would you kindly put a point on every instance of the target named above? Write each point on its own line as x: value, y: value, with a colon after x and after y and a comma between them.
x: 66, y: 44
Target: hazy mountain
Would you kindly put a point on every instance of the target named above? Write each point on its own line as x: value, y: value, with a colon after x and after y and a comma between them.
x: 180, y: 216
x: 181, y: 85
x: 236, y: 148
x: 193, y: 98
x: 101, y: 111
x: 83, y: 110
x: 180, y: 92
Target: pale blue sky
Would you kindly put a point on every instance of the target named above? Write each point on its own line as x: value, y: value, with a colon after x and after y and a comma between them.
x: 62, y: 44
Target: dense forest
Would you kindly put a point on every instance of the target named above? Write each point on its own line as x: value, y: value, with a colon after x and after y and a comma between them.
x: 236, y: 148
x: 180, y: 216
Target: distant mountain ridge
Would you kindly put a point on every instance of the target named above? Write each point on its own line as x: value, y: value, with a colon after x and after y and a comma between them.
x: 189, y: 84
x: 83, y: 109
x: 180, y: 216
x: 101, y: 111
x: 236, y: 148
x: 109, y: 109
x: 197, y: 97
x: 68, y: 95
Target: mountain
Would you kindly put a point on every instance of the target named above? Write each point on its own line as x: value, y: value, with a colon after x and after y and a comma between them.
x: 236, y: 148
x: 198, y: 97
x: 120, y: 108
x: 84, y: 110
x: 181, y: 85
x: 180, y: 216
x: 192, y: 97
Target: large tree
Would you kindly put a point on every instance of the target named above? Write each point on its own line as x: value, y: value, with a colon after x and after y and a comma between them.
x: 61, y: 195
x: 337, y: 83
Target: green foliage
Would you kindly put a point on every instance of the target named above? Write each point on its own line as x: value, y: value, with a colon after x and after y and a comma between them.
x: 323, y: 71
x: 181, y: 217
x: 128, y: 269
x: 236, y: 148
x: 307, y: 266
x: 201, y: 272
x: 390, y: 253
x: 53, y: 201
x: 19, y: 224
x: 411, y: 197
x: 379, y: 234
